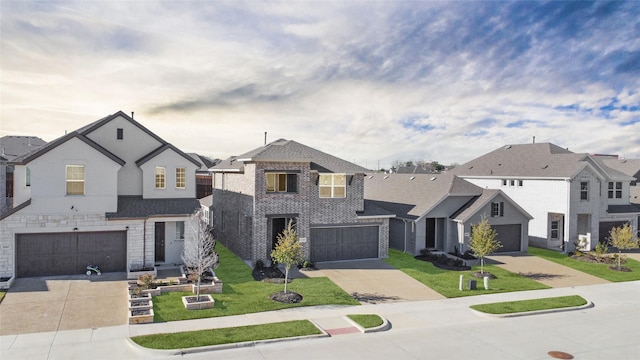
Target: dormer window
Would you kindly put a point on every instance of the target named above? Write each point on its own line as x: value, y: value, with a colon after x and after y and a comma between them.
x: 181, y: 178
x: 120, y: 134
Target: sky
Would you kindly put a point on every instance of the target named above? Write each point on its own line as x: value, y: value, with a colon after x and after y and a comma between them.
x: 372, y: 82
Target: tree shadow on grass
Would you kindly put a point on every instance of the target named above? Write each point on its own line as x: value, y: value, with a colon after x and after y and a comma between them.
x: 373, y: 298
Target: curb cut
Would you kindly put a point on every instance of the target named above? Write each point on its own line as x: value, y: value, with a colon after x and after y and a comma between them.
x: 588, y: 305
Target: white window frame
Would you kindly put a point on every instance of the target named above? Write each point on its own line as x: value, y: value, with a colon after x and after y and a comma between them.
x: 584, y: 191
x: 160, y: 178
x: 179, y: 230
x: 181, y: 178
x: 73, y: 178
x: 333, y: 186
x: 555, y: 227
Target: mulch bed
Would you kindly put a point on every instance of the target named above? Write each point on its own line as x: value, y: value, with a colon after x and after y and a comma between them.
x: 621, y: 269
x: 441, y: 265
x: 289, y: 297
x: 267, y: 273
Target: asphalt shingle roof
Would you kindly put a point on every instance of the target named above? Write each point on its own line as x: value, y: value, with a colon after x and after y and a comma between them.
x: 14, y: 146
x: 283, y: 150
x: 137, y: 207
x: 411, y: 196
x: 629, y: 167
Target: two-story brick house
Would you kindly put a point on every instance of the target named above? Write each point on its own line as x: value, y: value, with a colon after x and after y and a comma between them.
x: 571, y: 196
x: 257, y: 193
x: 111, y: 194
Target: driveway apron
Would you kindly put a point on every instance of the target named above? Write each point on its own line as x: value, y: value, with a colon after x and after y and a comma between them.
x: 545, y: 271
x: 374, y: 281
x: 44, y: 304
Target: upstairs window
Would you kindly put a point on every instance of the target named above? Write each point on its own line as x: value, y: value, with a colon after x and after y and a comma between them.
x: 497, y: 209
x: 27, y: 178
x: 584, y: 190
x: 161, y: 177
x: 120, y: 134
x: 504, y: 182
x: 75, y: 179
x: 282, y: 182
x: 181, y: 178
x: 333, y: 186
x: 615, y: 189
x: 520, y: 183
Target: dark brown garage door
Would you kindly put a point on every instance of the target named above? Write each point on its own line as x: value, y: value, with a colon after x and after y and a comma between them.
x: 605, y: 229
x: 509, y: 236
x: 70, y: 253
x: 344, y: 243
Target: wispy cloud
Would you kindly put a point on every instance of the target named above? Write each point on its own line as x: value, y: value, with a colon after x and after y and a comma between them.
x: 375, y: 81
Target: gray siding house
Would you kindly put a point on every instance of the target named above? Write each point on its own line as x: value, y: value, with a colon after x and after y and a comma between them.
x: 437, y: 211
x: 111, y: 194
x: 257, y: 193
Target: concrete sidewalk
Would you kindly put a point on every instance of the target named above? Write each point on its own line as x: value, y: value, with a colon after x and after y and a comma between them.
x: 112, y: 342
x: 544, y: 271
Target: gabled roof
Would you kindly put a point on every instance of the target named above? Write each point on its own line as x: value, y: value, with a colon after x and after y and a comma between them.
x: 205, y: 162
x: 540, y: 160
x: 136, y: 207
x: 26, y: 158
x: 474, y: 205
x: 283, y: 150
x: 412, y: 196
x: 14, y: 146
x: 161, y: 149
x: 629, y: 167
x: 82, y: 133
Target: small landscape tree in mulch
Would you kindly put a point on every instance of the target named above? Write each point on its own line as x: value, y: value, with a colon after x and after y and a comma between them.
x: 199, y: 254
x: 483, y: 241
x: 288, y: 250
x: 623, y: 238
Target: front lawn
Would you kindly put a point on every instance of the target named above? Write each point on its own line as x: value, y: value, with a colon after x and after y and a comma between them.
x: 2, y: 292
x: 446, y: 282
x: 599, y: 270
x: 189, y: 339
x: 511, y: 307
x: 241, y: 294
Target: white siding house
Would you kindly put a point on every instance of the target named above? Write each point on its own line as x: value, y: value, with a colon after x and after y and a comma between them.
x: 92, y: 199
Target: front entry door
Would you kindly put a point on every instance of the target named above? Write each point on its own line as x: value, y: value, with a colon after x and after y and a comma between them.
x: 159, y: 236
x: 431, y: 233
x: 277, y: 226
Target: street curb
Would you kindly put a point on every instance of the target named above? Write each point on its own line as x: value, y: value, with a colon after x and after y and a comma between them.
x: 385, y: 325
x: 245, y: 344
x: 588, y: 305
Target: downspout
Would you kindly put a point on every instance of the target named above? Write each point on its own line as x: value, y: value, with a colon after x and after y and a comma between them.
x: 405, y: 235
x: 144, y: 245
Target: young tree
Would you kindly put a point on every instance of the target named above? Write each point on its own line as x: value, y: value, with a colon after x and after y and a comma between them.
x: 288, y: 250
x: 199, y: 254
x: 623, y: 239
x: 483, y: 241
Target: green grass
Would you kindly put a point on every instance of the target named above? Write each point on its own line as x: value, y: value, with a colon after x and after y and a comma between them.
x: 241, y: 294
x: 366, y: 320
x: 511, y: 307
x: 189, y: 339
x: 446, y: 282
x: 2, y: 293
x: 599, y: 270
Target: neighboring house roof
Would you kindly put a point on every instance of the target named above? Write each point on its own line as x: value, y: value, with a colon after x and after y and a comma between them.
x: 538, y: 160
x: 14, y: 146
x: 137, y: 207
x: 477, y: 203
x: 413, y: 170
x: 205, y: 162
x: 283, y: 150
x: 412, y: 196
x: 207, y: 201
x: 373, y: 209
x: 630, y: 167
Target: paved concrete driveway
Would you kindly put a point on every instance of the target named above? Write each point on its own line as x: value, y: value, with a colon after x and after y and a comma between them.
x: 46, y: 304
x: 374, y: 281
x: 544, y: 271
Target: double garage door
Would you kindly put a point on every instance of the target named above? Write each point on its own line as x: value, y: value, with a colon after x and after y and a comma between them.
x: 344, y: 243
x: 70, y: 253
x: 509, y: 236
